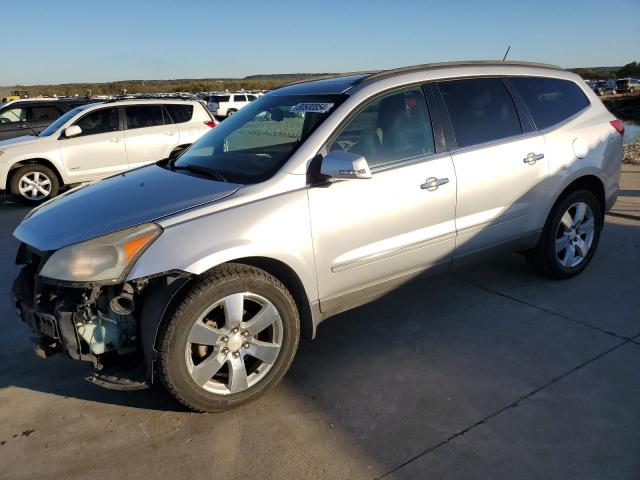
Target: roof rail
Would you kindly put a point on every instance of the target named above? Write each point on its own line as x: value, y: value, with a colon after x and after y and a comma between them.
x: 325, y: 76
x: 150, y: 97
x: 432, y: 66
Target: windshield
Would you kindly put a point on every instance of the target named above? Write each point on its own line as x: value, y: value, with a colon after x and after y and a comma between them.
x: 51, y: 129
x: 253, y: 144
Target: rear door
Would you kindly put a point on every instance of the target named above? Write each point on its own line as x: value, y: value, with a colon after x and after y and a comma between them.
x: 13, y: 121
x: 367, y: 233
x: 150, y: 134
x: 499, y: 162
x: 181, y: 116
x: 43, y: 115
x: 99, y: 150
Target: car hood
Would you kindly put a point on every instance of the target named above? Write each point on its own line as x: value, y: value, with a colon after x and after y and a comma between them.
x: 19, y: 141
x: 118, y: 202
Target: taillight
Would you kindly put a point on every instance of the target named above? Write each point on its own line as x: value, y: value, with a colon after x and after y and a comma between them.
x: 210, y: 124
x: 618, y: 125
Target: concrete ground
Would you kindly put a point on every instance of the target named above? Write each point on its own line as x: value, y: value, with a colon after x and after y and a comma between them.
x: 486, y: 372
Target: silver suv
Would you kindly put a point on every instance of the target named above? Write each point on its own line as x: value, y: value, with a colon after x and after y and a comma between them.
x: 318, y: 197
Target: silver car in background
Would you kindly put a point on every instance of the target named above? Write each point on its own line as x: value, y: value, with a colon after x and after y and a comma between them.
x: 316, y: 198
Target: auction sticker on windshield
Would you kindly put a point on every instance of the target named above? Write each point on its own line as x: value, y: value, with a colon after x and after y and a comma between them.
x: 312, y: 107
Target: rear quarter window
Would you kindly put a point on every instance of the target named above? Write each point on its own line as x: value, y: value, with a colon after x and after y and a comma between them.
x: 179, y: 113
x: 550, y: 100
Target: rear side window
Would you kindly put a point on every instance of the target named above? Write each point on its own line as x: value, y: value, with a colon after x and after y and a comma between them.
x: 239, y: 98
x: 219, y: 98
x: 179, y: 113
x: 99, y: 121
x: 481, y: 110
x: 13, y: 115
x: 550, y: 100
x: 141, y: 116
x: 46, y: 113
x: 392, y: 128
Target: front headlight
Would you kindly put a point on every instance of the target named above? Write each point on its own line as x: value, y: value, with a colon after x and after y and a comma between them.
x: 101, y: 259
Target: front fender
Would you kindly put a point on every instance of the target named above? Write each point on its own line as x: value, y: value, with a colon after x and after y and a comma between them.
x: 276, y: 228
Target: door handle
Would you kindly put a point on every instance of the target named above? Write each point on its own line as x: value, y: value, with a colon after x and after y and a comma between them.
x: 170, y: 133
x: 433, y: 183
x: 532, y: 158
x: 115, y: 140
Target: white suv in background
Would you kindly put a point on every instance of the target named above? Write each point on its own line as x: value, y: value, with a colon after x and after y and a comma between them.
x: 93, y: 141
x: 225, y: 105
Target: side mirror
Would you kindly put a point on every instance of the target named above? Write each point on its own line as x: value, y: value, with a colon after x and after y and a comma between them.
x: 345, y: 165
x: 72, y: 131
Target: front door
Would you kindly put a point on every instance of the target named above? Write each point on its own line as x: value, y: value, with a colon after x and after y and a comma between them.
x: 368, y: 234
x: 99, y: 150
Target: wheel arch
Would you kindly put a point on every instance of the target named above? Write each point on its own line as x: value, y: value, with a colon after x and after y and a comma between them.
x: 36, y: 161
x: 165, y: 290
x: 586, y: 182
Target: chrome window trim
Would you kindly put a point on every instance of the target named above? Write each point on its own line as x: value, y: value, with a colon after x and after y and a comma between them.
x: 409, y: 161
x: 457, y: 150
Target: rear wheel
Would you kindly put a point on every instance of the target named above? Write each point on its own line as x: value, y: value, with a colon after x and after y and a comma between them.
x: 231, y: 112
x: 34, y: 183
x: 229, y: 340
x: 570, y: 236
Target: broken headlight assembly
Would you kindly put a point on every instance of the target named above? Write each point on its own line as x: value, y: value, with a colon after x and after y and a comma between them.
x: 105, y: 259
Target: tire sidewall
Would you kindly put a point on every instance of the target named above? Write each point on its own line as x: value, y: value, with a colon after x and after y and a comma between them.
x: 174, y: 371
x: 551, y: 258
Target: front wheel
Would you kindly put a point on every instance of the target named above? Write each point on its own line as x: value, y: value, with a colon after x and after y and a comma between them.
x: 229, y: 340
x: 34, y: 183
x: 570, y: 236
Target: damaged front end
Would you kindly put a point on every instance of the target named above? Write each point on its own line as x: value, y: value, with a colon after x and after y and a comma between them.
x: 112, y: 325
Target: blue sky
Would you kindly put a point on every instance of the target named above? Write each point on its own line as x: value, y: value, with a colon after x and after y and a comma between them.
x: 75, y: 41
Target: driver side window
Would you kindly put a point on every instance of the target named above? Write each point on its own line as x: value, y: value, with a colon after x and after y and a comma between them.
x: 391, y: 128
x: 99, y: 121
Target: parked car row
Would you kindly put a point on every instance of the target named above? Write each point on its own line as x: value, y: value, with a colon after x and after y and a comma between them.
x: 204, y: 271
x: 95, y: 140
x: 611, y: 87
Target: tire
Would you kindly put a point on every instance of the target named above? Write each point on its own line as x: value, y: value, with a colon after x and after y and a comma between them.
x: 549, y: 257
x: 47, y: 186
x: 230, y: 112
x: 202, y: 375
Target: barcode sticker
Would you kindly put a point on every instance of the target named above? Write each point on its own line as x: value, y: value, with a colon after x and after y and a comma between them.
x: 312, y: 107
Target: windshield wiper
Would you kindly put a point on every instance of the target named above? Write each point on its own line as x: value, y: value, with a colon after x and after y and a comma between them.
x: 209, y: 172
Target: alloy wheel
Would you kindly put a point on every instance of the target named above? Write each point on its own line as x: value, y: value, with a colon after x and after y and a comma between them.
x: 234, y: 343
x: 34, y: 185
x: 574, y: 235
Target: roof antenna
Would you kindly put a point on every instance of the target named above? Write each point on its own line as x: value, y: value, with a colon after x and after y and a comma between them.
x: 506, y: 53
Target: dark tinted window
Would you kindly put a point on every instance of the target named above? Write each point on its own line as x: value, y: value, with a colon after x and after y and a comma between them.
x: 481, y: 110
x: 392, y: 128
x: 45, y: 113
x: 550, y: 100
x: 239, y: 98
x: 219, y: 98
x: 251, y: 98
x: 141, y: 116
x: 179, y: 113
x: 99, y: 121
